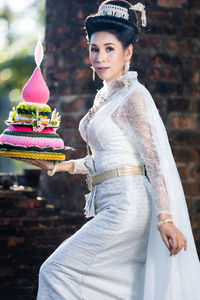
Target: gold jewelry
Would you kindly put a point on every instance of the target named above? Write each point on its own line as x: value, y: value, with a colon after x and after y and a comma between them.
x: 168, y: 220
x: 53, y: 171
x: 93, y: 73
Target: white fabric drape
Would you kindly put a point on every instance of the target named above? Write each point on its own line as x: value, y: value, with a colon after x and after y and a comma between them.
x: 134, y: 112
x: 176, y: 277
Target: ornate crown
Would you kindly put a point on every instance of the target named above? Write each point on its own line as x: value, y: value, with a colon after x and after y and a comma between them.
x: 114, y: 10
x: 122, y: 12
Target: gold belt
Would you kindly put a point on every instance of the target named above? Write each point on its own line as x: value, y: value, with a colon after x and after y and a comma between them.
x: 128, y: 170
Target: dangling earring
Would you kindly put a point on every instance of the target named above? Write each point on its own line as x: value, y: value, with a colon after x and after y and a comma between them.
x: 126, y: 81
x: 93, y: 73
x: 127, y: 66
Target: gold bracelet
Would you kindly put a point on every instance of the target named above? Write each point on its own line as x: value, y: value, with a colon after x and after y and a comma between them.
x: 168, y: 220
x: 53, y: 171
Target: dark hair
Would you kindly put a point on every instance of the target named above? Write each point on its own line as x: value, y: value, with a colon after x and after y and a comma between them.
x: 126, y: 31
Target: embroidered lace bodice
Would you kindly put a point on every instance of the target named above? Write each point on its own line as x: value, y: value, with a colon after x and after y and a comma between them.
x: 121, y: 133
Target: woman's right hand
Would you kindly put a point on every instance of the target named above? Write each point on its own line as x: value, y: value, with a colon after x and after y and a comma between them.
x: 43, y: 164
x: 63, y: 166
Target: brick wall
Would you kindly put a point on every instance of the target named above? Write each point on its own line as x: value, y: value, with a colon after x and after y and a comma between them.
x: 30, y: 230
x: 167, y: 60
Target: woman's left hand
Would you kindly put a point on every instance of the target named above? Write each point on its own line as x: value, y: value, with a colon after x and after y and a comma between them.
x: 178, y: 240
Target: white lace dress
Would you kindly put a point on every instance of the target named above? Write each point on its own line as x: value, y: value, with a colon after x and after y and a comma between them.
x: 119, y: 254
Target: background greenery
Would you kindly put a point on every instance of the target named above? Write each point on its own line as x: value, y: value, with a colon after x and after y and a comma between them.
x: 21, y: 22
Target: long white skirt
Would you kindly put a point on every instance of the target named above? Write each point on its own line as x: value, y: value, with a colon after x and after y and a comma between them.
x: 105, y: 259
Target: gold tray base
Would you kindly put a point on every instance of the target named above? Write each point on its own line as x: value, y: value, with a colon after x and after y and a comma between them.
x: 32, y: 155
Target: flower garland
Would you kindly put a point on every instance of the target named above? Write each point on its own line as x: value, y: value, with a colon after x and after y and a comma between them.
x: 95, y: 108
x: 36, y: 121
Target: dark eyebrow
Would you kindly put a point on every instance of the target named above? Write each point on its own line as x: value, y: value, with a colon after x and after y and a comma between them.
x: 104, y: 44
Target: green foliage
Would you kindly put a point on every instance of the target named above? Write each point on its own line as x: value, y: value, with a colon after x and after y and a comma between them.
x: 17, y: 59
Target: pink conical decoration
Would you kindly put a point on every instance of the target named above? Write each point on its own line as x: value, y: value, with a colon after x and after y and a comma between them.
x: 36, y: 90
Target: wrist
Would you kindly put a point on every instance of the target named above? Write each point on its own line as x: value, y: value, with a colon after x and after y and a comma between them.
x: 51, y: 166
x: 161, y: 222
x: 65, y: 166
x: 164, y: 216
x: 72, y: 170
x: 53, y: 171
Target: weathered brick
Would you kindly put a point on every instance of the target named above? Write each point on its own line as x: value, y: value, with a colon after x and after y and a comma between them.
x: 155, y: 74
x: 62, y: 76
x: 62, y: 30
x: 158, y: 73
x: 13, y: 241
x: 191, y: 188
x: 168, y: 88
x: 195, y: 171
x: 169, y: 74
x: 29, y: 203
x: 196, y: 208
x: 67, y: 61
x: 188, y: 75
x: 196, y: 231
x: 49, y: 61
x: 69, y: 122
x: 196, y: 92
x: 149, y: 42
x: 186, y: 155
x: 161, y: 59
x: 191, y: 31
x: 74, y: 106
x: 83, y: 74
x: 198, y: 123
x: 177, y: 45
x: 6, y: 272
x: 80, y: 14
x: 159, y: 15
x: 195, y: 222
x: 182, y: 122
x: 183, y: 172
x: 86, y: 61
x: 187, y: 138
x: 83, y: 43
x: 172, y: 3
x: 178, y: 105
x: 195, y: 77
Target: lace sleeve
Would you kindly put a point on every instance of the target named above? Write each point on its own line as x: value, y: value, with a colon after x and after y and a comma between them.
x: 134, y: 116
x: 79, y: 167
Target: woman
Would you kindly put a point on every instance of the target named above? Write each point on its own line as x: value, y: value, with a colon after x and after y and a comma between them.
x: 120, y: 254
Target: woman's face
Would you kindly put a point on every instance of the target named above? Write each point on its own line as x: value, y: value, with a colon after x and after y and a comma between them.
x: 107, y: 55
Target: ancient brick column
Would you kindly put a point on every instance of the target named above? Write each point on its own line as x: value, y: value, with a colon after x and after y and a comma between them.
x: 72, y: 90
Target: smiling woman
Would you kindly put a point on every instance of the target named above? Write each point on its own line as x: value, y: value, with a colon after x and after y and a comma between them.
x: 107, y: 55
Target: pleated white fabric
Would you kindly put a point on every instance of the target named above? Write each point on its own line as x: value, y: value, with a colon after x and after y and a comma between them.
x: 119, y: 254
